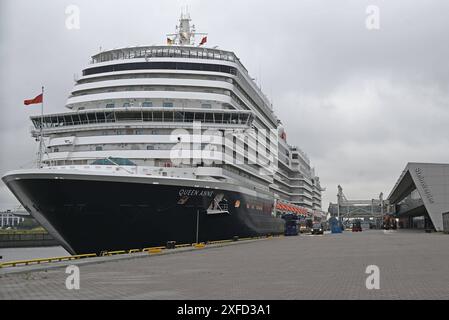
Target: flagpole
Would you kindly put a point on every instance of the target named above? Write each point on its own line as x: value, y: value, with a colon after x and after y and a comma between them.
x: 40, y: 134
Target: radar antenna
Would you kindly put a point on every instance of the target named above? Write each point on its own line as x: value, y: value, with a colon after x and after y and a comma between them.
x: 185, y: 32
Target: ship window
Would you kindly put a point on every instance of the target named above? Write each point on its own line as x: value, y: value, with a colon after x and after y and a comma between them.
x: 126, y: 105
x: 179, y: 117
x: 110, y: 105
x: 226, y: 118
x: 147, y: 104
x: 209, y: 117
x: 168, y: 105
x: 168, y: 116
x: 55, y: 149
x: 113, y: 161
x: 161, y: 65
x: 150, y: 147
x: 189, y: 116
x: 199, y: 117
x: 98, y: 148
x: 157, y: 116
x: 206, y: 106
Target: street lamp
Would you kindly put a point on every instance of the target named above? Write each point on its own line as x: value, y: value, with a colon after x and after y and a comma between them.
x: 197, y: 224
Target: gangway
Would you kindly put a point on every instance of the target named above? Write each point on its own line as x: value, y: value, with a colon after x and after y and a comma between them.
x: 345, y: 209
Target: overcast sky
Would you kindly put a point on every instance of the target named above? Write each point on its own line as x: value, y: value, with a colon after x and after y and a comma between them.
x: 361, y: 103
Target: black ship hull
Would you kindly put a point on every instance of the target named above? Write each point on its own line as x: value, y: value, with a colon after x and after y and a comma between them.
x: 92, y: 215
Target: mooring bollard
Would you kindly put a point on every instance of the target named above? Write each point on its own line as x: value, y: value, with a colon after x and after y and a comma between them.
x: 170, y: 245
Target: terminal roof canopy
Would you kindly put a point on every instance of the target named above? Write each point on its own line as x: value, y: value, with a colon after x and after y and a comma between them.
x: 403, y: 187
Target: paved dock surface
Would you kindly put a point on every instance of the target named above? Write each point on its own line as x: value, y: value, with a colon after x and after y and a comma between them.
x: 412, y: 265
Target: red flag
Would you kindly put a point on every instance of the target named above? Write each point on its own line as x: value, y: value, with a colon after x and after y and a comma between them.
x: 203, y: 41
x: 38, y: 99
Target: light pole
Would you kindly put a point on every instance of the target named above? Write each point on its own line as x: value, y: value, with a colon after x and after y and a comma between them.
x: 197, y: 224
x: 338, y: 204
x: 381, y: 198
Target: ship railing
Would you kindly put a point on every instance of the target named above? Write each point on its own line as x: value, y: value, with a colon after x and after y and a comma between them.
x: 121, y: 167
x: 172, y: 171
x: 165, y: 52
x: 120, y: 115
x: 137, y: 124
x: 220, y: 208
x: 223, y: 206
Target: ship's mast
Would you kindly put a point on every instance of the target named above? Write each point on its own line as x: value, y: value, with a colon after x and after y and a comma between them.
x: 185, y: 32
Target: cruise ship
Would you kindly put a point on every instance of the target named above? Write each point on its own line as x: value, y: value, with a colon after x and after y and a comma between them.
x: 164, y: 143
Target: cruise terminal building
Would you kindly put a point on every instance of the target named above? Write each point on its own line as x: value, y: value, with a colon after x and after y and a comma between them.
x: 420, y: 197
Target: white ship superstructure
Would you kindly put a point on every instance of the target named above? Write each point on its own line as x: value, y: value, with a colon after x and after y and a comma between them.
x: 129, y: 101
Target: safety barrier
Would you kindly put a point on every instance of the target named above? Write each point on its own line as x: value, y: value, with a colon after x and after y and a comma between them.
x: 45, y: 260
x: 219, y: 241
x: 183, y: 245
x: 154, y: 250
x: 112, y: 253
x: 150, y: 250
